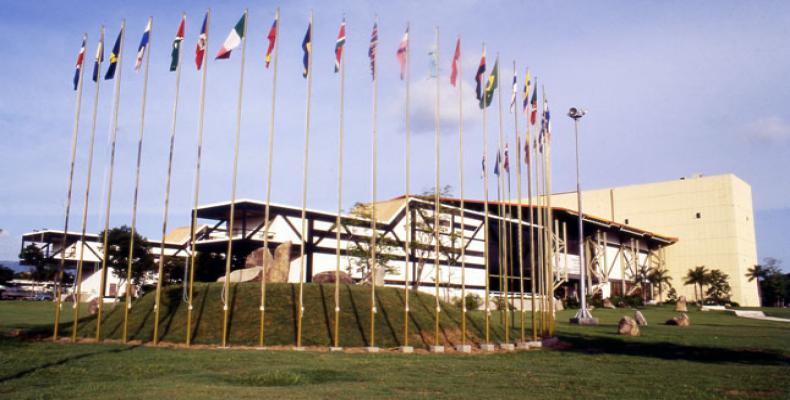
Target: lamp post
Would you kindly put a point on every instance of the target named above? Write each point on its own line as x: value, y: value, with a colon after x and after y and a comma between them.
x: 583, y: 316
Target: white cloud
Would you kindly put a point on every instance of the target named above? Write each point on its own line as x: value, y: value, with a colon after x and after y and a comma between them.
x: 769, y: 130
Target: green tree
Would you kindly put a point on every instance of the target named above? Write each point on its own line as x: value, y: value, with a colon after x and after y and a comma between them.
x: 697, y: 277
x: 718, y: 286
x: 6, y: 274
x: 758, y: 273
x: 360, y: 251
x: 118, y: 242
x: 660, y: 278
x: 42, y: 268
x: 775, y: 284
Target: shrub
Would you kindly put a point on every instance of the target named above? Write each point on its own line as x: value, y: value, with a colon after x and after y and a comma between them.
x: 473, y: 301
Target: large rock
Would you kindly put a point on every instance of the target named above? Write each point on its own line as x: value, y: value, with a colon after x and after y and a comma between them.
x: 607, y: 303
x: 680, y: 306
x: 329, y: 277
x: 628, y: 327
x: 261, y: 257
x: 244, y: 275
x: 378, y: 276
x: 640, y: 319
x: 281, y: 267
x: 682, y: 320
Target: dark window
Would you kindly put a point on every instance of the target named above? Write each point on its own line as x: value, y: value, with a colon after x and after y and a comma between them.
x: 626, y: 221
x: 699, y: 215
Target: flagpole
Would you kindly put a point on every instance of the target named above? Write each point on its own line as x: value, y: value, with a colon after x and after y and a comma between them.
x: 336, y: 336
x: 528, y: 153
x: 519, y: 212
x: 485, y: 223
x: 407, y: 222
x: 229, y: 254
x: 461, y: 194
x: 550, y: 273
x: 74, y: 136
x: 541, y: 236
x: 437, y: 206
x: 504, y: 222
x: 267, y: 224
x: 134, y: 208
x: 158, y: 304
x: 374, y: 171
x: 193, y: 223
x: 109, y: 189
x: 300, y: 311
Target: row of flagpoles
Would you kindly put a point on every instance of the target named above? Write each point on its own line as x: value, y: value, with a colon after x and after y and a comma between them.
x: 541, y: 262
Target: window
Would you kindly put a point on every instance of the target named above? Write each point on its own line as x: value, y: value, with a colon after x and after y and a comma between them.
x: 699, y: 215
x: 626, y: 221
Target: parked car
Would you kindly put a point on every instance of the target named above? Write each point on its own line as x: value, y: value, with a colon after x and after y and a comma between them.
x: 43, y: 297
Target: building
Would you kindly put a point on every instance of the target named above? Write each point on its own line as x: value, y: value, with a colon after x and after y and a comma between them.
x: 711, y: 217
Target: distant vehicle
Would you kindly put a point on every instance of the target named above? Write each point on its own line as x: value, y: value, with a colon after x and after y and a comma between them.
x: 43, y: 297
x: 15, y: 293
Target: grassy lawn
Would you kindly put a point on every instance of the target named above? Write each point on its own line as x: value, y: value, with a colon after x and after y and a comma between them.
x: 719, y: 356
x: 27, y: 315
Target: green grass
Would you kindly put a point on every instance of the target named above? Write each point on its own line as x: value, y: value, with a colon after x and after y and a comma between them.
x: 719, y: 356
x: 33, y: 315
x: 771, y: 311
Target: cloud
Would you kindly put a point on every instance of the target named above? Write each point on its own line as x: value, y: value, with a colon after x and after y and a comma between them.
x: 423, y: 106
x: 770, y: 130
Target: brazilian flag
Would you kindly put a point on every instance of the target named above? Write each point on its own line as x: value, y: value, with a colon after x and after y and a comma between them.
x: 491, y: 85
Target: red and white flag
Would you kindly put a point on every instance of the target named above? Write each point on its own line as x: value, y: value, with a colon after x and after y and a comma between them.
x: 402, y: 51
x: 456, y: 60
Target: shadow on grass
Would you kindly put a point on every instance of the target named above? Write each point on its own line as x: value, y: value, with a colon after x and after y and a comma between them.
x: 670, y: 351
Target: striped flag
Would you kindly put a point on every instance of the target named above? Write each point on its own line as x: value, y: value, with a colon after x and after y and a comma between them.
x: 456, y: 60
x: 341, y: 41
x: 176, y: 53
x: 200, y: 49
x: 99, y: 58
x: 374, y: 42
x: 307, y: 48
x: 506, y: 164
x: 143, y: 45
x: 114, y: 55
x: 514, y: 94
x: 481, y: 70
x: 80, y: 62
x: 272, y: 36
x: 233, y: 40
x: 527, y: 83
x: 533, y: 112
x: 403, y: 49
x: 491, y: 86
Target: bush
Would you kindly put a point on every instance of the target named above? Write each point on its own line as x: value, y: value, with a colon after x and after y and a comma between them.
x: 634, y: 300
x: 473, y: 301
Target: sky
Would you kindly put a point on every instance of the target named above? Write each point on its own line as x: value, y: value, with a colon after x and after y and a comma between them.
x: 672, y: 88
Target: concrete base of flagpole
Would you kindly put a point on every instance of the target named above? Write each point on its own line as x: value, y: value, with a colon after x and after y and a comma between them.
x: 488, y: 347
x: 507, y: 346
x: 437, y: 349
x: 406, y: 349
x: 335, y: 349
x: 372, y: 349
x: 463, y: 348
x: 522, y: 345
x: 298, y: 348
x: 262, y: 348
x: 535, y: 344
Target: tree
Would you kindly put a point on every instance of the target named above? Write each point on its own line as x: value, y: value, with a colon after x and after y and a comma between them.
x: 41, y: 267
x: 643, y: 277
x: 718, y: 286
x: 423, y: 241
x: 6, y: 274
x: 697, y: 278
x: 360, y: 252
x: 660, y: 278
x: 118, y: 241
x: 774, y: 285
x: 758, y: 273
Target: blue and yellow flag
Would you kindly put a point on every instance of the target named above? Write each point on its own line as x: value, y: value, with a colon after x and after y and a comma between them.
x: 307, y: 47
x: 114, y: 56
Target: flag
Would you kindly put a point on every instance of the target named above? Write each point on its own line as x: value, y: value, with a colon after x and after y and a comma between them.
x: 80, y: 61
x: 546, y: 121
x: 114, y: 55
x: 99, y: 58
x: 200, y: 49
x: 403, y: 48
x: 498, y: 161
x: 307, y: 48
x: 433, y: 53
x: 481, y: 70
x: 176, y: 54
x: 514, y: 94
x: 526, y: 152
x: 233, y: 40
x: 341, y: 41
x: 272, y: 36
x: 527, y: 83
x: 483, y: 170
x: 533, y: 113
x: 456, y: 60
x: 506, y: 164
x: 374, y: 42
x: 491, y: 85
x: 143, y: 45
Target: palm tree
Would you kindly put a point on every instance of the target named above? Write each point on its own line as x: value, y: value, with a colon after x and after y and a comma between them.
x: 660, y: 278
x: 697, y: 277
x: 758, y: 272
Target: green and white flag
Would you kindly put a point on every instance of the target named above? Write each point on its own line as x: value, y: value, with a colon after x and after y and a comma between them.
x: 176, y: 54
x: 234, y: 38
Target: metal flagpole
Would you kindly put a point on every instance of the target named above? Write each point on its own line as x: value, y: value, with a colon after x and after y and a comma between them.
x: 461, y: 195
x: 193, y: 224
x: 541, y: 235
x: 134, y: 208
x: 503, y: 213
x: 374, y: 150
x: 528, y: 154
x: 550, y: 229
x: 300, y: 311
x: 336, y: 336
x: 407, y: 222
x: 231, y: 217
x: 109, y: 192
x: 266, y: 216
x: 158, y: 304
x: 485, y: 227
x: 519, y: 214
x: 75, y: 306
x: 437, y: 207
x: 75, y: 134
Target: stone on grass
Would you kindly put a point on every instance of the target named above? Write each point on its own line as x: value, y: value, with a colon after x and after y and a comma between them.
x: 640, y: 319
x: 329, y: 277
x: 282, y: 264
x: 682, y: 320
x: 607, y: 303
x: 628, y: 327
x: 680, y: 306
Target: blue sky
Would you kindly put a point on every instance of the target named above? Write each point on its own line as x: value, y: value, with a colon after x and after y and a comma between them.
x: 672, y: 88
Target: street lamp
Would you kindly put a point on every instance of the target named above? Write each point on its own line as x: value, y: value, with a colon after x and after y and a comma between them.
x: 583, y: 316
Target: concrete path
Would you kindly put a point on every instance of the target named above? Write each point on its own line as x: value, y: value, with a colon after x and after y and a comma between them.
x: 757, y: 315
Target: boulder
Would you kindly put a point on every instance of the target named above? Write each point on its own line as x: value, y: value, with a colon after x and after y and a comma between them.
x: 244, y: 275
x: 558, y: 305
x: 93, y: 306
x: 378, y: 276
x: 259, y: 258
x: 640, y: 319
x: 680, y: 306
x: 329, y: 277
x: 628, y: 327
x: 682, y: 320
x: 607, y: 303
x: 281, y: 267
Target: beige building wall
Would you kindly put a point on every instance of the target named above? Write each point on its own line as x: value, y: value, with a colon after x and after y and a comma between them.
x: 712, y: 218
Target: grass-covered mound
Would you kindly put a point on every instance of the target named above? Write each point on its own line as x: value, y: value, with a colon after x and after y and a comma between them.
x: 281, y: 317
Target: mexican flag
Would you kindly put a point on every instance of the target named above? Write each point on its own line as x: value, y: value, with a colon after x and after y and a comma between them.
x: 233, y: 40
